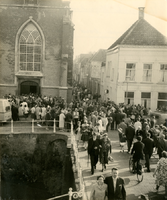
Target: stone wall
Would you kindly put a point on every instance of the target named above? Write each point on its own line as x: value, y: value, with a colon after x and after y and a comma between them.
x: 36, y: 158
x: 57, y: 36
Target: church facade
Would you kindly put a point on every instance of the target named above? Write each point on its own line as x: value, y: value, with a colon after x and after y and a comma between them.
x: 36, y: 48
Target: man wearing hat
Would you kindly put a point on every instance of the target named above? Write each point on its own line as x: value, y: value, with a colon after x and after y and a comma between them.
x: 93, y: 151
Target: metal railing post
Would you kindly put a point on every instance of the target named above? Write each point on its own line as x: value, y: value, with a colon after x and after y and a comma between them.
x: 12, y: 126
x: 70, y: 193
x: 71, y: 127
x: 54, y: 126
x: 32, y: 125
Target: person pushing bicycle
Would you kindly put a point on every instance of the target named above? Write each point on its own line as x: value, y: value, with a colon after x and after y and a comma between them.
x: 137, y: 153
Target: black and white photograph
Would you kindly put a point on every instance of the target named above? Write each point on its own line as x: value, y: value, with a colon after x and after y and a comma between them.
x: 83, y: 99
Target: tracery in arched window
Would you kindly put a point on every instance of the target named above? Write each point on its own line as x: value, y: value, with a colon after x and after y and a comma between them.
x: 30, y: 49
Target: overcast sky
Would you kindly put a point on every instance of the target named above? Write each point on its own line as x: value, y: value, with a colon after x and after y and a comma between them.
x: 98, y: 23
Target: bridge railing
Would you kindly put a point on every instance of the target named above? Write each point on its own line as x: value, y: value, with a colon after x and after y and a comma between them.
x: 31, y: 126
x: 76, y: 164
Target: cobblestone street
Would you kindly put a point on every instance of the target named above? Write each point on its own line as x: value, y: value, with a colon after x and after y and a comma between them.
x: 121, y: 161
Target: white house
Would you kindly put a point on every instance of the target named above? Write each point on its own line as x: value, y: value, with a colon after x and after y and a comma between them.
x: 136, y: 67
x: 96, y: 63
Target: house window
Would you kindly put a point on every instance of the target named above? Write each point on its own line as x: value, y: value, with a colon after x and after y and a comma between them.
x: 146, y: 99
x: 163, y: 69
x: 112, y: 74
x: 130, y: 72
x: 129, y: 97
x: 108, y: 68
x: 162, y: 101
x: 30, y: 1
x: 147, y: 72
x: 30, y: 49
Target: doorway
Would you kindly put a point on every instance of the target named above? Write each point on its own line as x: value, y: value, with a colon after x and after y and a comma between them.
x: 28, y: 87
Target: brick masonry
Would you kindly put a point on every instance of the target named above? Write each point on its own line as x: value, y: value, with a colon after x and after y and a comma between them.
x: 58, y: 36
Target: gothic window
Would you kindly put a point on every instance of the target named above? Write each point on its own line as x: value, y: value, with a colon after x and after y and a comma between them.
x: 30, y: 49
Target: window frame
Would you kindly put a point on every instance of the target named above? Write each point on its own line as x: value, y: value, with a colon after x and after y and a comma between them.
x: 130, y: 77
x: 163, y: 73
x: 108, y: 69
x: 148, y: 77
x: 30, y: 50
x: 146, y: 96
x: 129, y: 97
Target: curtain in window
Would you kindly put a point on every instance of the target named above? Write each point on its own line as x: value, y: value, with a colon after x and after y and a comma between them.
x: 147, y: 75
x: 164, y: 76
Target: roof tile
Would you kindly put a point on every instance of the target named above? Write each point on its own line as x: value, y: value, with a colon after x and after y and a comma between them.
x: 141, y: 33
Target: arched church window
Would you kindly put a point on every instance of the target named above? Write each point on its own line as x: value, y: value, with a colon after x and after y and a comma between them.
x: 30, y: 49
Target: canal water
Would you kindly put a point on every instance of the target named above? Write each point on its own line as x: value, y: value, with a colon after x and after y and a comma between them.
x: 34, y: 167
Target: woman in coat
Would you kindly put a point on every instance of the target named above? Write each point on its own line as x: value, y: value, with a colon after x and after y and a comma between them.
x: 99, y: 189
x: 85, y: 133
x: 161, y: 173
x: 105, y: 148
x: 61, y: 120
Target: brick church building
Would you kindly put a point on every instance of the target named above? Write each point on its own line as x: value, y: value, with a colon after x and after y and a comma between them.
x: 36, y: 47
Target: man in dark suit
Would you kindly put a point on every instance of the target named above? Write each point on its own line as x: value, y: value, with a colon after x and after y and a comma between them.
x: 118, y: 118
x: 148, y: 150
x: 116, y: 189
x: 137, y: 152
x: 93, y: 151
x: 130, y: 133
x: 68, y: 120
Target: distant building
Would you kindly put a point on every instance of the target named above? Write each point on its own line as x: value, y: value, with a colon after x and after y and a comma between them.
x: 82, y: 69
x: 136, y: 67
x: 36, y: 47
x: 96, y: 63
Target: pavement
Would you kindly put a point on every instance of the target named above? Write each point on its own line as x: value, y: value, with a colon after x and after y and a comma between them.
x: 121, y: 160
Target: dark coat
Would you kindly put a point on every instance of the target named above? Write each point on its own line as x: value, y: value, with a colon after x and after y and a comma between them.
x: 162, y: 145
x: 137, y: 149
x: 118, y: 117
x: 119, y: 193
x: 149, y: 145
x: 91, y: 145
x: 69, y: 117
x: 130, y: 133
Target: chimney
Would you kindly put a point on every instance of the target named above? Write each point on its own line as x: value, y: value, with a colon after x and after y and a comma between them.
x: 141, y: 12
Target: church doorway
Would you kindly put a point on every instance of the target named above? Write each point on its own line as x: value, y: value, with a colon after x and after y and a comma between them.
x: 28, y: 87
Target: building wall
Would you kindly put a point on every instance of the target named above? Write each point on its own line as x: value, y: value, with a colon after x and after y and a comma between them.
x: 139, y: 56
x: 111, y: 75
x: 48, y: 18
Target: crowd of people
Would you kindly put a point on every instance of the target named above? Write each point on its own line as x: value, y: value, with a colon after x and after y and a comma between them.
x: 92, y: 118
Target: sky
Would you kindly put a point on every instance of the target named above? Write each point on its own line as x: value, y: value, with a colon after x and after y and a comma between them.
x: 99, y: 23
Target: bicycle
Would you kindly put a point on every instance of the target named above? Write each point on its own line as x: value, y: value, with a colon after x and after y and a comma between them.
x: 139, y: 171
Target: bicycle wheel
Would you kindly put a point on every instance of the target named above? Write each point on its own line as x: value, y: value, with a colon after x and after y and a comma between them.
x: 131, y: 164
